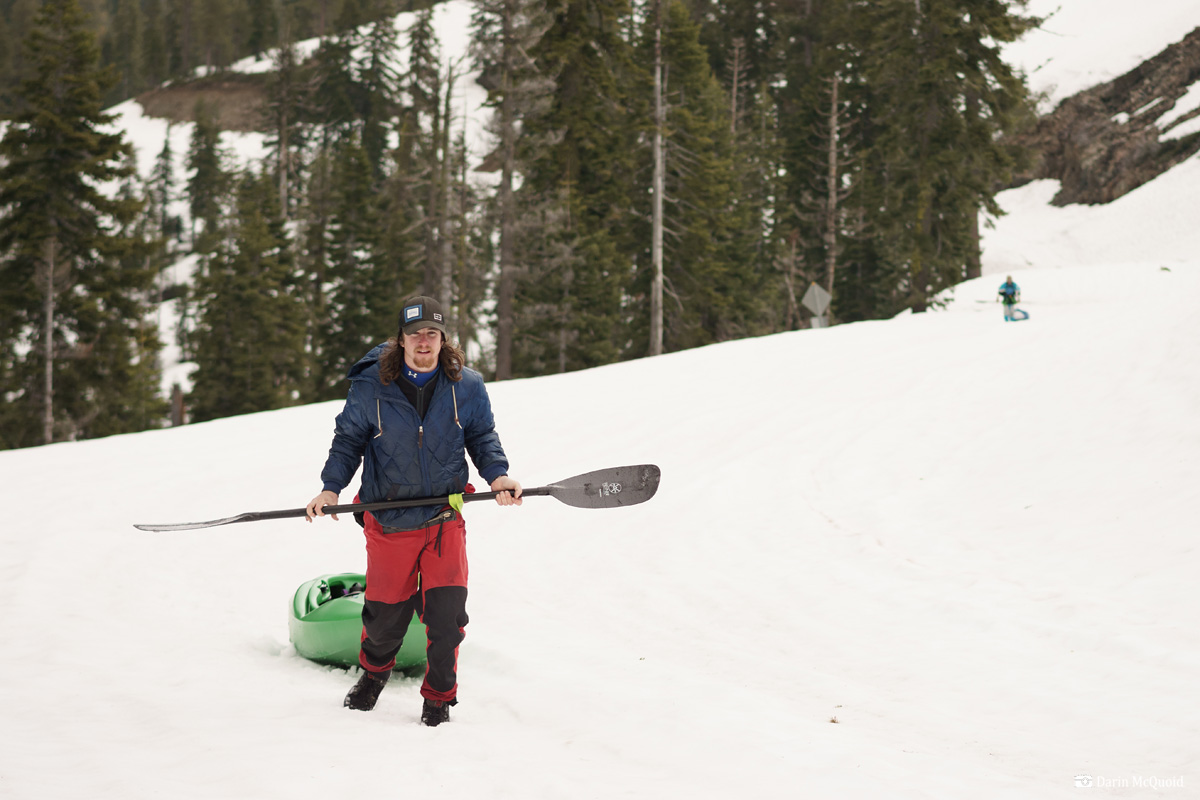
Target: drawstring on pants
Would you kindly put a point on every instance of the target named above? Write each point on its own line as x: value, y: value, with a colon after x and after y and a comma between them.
x: 441, y: 518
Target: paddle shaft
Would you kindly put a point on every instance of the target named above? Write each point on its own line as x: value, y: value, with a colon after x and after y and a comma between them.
x: 606, y: 488
x: 349, y: 508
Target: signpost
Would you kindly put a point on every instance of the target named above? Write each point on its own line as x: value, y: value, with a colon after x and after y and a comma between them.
x: 817, y: 300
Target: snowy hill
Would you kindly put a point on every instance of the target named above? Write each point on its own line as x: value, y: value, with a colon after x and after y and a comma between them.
x: 970, y: 543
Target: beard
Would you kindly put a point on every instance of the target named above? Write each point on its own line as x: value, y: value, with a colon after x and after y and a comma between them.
x: 422, y: 361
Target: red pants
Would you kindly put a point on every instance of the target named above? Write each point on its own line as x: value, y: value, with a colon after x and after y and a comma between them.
x: 423, y: 571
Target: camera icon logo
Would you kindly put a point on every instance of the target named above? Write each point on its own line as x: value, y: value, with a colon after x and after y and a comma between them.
x: 1083, y: 781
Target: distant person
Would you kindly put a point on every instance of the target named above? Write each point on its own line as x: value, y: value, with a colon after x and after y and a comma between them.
x: 1010, y: 293
x: 413, y: 414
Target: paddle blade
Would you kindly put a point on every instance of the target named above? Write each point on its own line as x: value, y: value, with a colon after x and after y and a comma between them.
x: 192, y: 526
x: 608, y: 488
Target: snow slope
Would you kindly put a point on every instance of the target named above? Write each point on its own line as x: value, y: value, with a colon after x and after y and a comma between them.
x: 1082, y: 43
x: 970, y: 543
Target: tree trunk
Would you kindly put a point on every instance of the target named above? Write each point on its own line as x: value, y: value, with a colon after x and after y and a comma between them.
x: 432, y: 274
x: 974, y: 259
x: 831, y: 191
x: 974, y: 262
x: 506, y: 288
x: 733, y: 89
x: 656, y: 234
x: 284, y: 162
x: 48, y: 344
x: 445, y: 284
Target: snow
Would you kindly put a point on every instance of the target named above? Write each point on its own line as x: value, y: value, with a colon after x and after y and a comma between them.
x: 1083, y: 43
x: 970, y: 543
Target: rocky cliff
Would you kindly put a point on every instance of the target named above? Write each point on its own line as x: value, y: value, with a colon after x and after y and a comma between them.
x: 1112, y: 138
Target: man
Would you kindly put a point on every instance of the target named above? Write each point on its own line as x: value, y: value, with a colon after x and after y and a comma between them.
x: 1010, y: 293
x: 413, y: 413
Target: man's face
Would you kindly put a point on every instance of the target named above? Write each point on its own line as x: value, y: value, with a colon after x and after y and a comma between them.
x: 421, y: 349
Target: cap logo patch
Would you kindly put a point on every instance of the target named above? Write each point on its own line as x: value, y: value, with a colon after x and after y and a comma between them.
x: 413, y: 312
x: 437, y: 317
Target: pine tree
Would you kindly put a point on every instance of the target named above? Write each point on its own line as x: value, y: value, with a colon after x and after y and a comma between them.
x: 123, y: 345
x: 573, y: 316
x: 704, y: 278
x: 315, y: 217
x: 943, y: 101
x: 473, y: 256
x: 156, y: 55
x: 264, y: 26
x: 69, y: 299
x: 420, y: 156
x: 20, y: 19
x: 128, y: 54
x: 214, y: 33
x: 208, y: 182
x: 249, y: 338
x: 503, y: 34
x: 360, y: 308
x: 161, y: 191
x: 289, y: 91
x: 380, y: 87
x: 181, y: 29
x: 335, y: 98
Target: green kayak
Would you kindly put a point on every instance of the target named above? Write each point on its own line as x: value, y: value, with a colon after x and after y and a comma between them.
x: 326, y: 623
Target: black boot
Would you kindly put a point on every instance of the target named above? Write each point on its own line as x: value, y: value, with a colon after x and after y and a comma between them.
x: 434, y: 713
x: 365, y: 693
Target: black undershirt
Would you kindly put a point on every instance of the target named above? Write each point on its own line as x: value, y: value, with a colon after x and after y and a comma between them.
x: 419, y: 396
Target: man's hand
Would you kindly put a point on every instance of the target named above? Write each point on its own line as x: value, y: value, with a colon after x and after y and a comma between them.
x: 316, y: 506
x: 509, y: 491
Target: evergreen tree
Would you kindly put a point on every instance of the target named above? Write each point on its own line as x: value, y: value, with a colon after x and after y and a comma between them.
x: 361, y: 308
x: 20, y: 19
x: 574, y: 316
x: 161, y: 192
x: 705, y: 278
x: 264, y: 26
x: 380, y: 86
x: 208, y: 182
x: 8, y: 46
x: 943, y: 103
x: 156, y: 54
x: 289, y: 104
x: 473, y: 256
x: 335, y: 98
x: 124, y: 345
x: 420, y: 154
x: 70, y: 300
x: 215, y: 33
x: 743, y: 39
x: 249, y: 338
x: 315, y: 218
x: 182, y: 28
x: 126, y: 48
x: 813, y: 49
x: 754, y: 243
x: 503, y: 34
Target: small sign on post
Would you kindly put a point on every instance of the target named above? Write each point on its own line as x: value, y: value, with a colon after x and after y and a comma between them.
x: 817, y: 300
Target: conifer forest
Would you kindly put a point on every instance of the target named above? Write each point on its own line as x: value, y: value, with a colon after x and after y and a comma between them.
x: 662, y: 175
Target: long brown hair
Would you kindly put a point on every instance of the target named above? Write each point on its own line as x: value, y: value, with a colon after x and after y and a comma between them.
x: 452, y: 360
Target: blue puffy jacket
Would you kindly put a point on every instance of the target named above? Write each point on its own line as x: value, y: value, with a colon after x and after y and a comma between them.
x: 404, y: 456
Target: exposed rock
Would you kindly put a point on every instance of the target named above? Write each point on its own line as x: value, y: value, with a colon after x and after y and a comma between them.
x: 236, y: 100
x: 1107, y: 140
